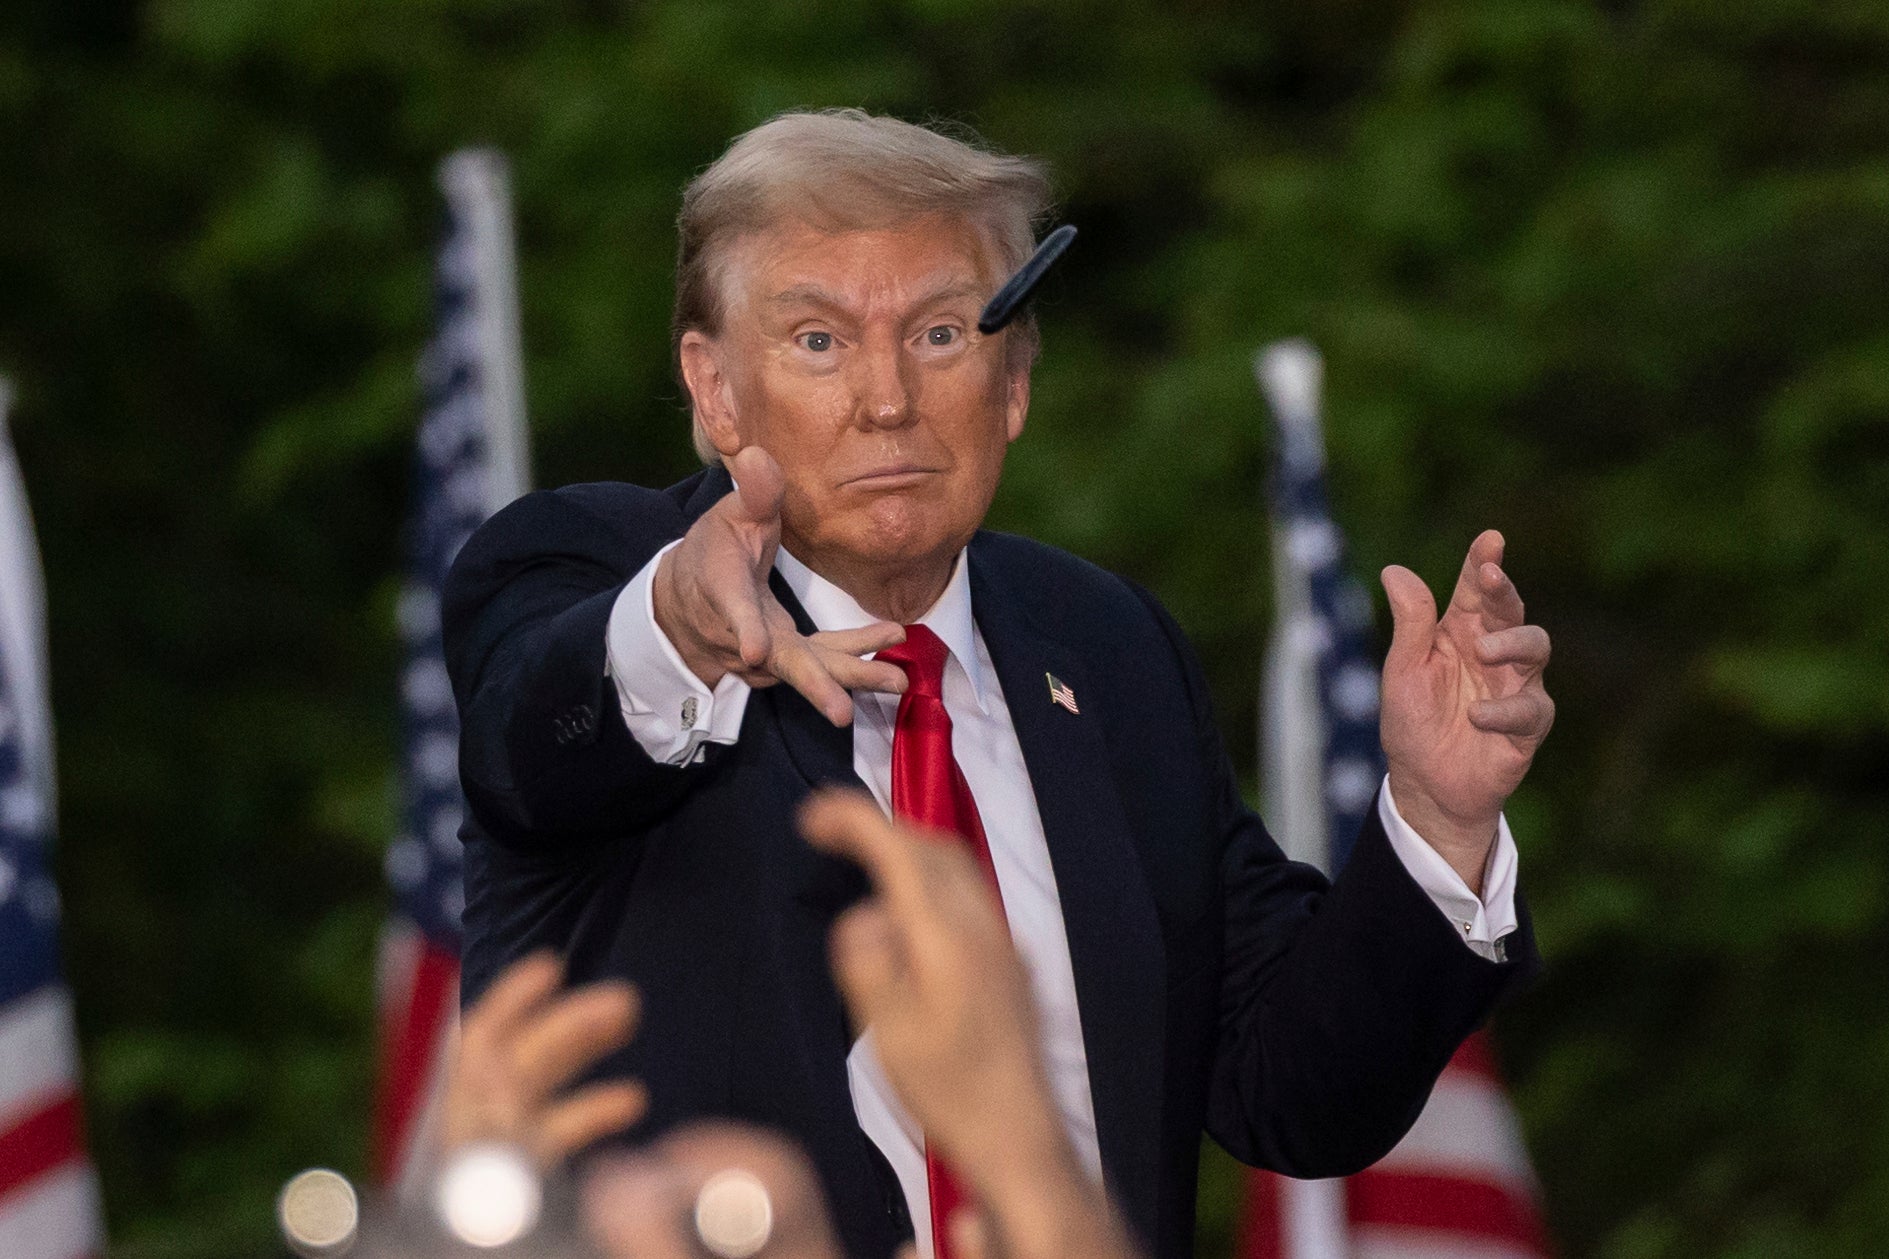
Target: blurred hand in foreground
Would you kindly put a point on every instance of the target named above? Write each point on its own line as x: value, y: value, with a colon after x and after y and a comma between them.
x: 709, y: 1189
x: 927, y: 963
x: 520, y: 1047
x: 1464, y: 705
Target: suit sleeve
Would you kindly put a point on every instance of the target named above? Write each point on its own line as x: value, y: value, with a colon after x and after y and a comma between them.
x: 545, y: 756
x: 1340, y: 1003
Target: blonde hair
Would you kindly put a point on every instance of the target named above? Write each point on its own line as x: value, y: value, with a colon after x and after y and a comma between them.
x: 846, y: 170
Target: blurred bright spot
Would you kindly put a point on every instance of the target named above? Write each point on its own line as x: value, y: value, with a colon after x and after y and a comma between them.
x: 488, y: 1195
x: 318, y: 1213
x: 733, y: 1214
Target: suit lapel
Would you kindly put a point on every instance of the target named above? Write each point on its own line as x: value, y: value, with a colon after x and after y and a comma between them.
x: 1115, y: 941
x: 820, y: 750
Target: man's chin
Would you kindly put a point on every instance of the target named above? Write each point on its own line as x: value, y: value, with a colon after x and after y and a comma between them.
x: 883, y: 542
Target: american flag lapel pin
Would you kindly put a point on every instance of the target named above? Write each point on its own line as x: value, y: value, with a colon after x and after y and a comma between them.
x: 1059, y: 693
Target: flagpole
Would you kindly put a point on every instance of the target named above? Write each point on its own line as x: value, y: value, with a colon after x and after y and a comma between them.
x: 1313, y: 1220
x: 477, y: 185
x: 1292, y: 733
x: 23, y: 612
x: 472, y: 458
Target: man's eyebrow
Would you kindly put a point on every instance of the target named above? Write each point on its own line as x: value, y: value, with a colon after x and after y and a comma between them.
x: 951, y: 292
x: 806, y: 294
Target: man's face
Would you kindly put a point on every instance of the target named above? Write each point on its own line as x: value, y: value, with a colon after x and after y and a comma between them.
x: 854, y: 359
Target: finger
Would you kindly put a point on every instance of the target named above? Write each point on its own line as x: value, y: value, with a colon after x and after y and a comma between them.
x: 850, y: 824
x: 756, y: 678
x: 741, y: 608
x: 969, y: 1239
x: 758, y: 486
x: 572, y: 1035
x: 588, y: 1116
x: 1524, y: 646
x: 1486, y: 549
x: 1501, y: 602
x: 1413, y: 618
x: 868, y: 960
x: 1526, y: 715
x: 862, y: 641
x: 863, y: 675
x: 519, y: 990
x: 794, y: 663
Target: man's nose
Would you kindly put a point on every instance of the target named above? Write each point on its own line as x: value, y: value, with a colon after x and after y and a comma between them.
x: 882, y: 389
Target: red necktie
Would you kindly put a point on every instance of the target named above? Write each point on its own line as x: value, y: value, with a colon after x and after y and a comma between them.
x: 929, y: 788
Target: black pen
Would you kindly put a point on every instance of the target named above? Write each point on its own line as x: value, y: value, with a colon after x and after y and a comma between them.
x: 1002, y: 308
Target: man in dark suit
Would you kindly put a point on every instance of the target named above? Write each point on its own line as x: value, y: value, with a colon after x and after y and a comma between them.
x: 650, y: 682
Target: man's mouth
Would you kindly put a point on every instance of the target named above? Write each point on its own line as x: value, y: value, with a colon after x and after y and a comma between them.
x: 891, y: 477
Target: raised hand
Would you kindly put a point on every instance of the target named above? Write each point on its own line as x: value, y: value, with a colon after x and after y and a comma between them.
x: 521, y: 1045
x: 1464, y: 706
x: 926, y: 963
x: 712, y: 600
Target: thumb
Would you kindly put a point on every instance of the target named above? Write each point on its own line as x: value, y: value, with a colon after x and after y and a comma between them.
x: 865, y: 952
x: 1413, y: 618
x: 758, y: 486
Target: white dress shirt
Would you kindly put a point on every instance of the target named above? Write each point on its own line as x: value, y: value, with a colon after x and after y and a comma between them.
x: 672, y: 715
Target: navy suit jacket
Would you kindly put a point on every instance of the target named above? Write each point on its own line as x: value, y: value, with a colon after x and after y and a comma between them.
x: 1221, y: 987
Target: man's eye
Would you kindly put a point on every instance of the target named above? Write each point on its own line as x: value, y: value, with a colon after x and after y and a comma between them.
x: 818, y: 342
x: 943, y: 334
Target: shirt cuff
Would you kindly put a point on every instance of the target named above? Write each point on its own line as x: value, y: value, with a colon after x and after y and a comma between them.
x: 668, y: 710
x: 1485, y: 922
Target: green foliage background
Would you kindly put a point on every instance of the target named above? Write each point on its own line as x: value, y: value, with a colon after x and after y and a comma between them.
x: 1613, y: 277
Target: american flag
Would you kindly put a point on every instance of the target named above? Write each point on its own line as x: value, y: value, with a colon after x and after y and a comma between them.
x: 1459, y: 1185
x: 48, y: 1193
x: 470, y: 460
x: 1059, y: 693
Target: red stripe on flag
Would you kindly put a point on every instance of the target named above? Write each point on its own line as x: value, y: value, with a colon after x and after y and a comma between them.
x: 408, y: 1041
x: 47, y: 1138
x: 1471, y: 1208
x: 1261, y: 1232
x: 1475, y: 1057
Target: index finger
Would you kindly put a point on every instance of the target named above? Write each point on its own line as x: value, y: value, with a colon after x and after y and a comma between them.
x: 582, y: 1027
x: 1468, y: 594
x: 849, y: 823
x: 518, y: 991
x: 758, y: 486
x: 1501, y: 602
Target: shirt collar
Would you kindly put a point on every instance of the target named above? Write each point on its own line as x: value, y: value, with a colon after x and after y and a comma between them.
x: 831, y: 608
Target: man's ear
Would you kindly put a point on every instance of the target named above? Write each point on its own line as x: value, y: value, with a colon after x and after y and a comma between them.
x: 710, y: 390
x: 1016, y: 400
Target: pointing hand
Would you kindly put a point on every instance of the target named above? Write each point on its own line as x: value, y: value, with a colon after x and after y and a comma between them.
x: 712, y: 600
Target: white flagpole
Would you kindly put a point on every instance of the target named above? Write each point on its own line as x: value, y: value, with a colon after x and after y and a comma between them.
x: 477, y: 182
x: 1313, y: 1221
x: 23, y: 613
x: 477, y: 186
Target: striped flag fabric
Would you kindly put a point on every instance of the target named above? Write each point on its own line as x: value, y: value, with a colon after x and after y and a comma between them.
x: 48, y: 1192
x: 470, y: 460
x: 1459, y: 1185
